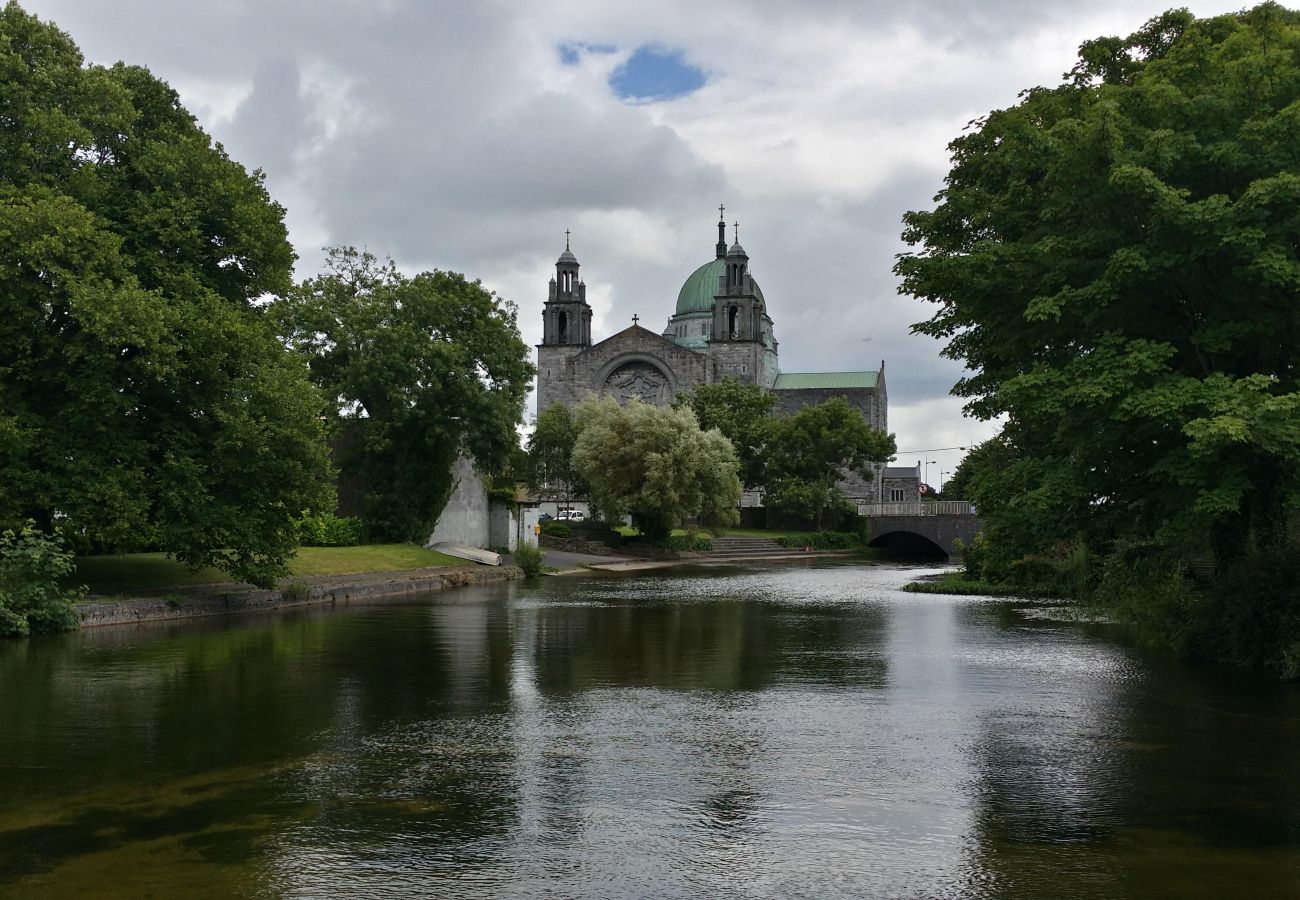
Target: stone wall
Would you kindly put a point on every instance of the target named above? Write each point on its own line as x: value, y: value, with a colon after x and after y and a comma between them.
x: 575, y: 545
x: 198, y: 602
x: 464, y: 519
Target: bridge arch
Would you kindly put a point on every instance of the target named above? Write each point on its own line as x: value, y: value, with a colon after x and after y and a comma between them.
x: 907, y: 545
x: 921, y: 536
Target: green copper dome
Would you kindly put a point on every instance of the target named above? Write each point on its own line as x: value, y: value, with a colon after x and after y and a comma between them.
x: 697, y: 293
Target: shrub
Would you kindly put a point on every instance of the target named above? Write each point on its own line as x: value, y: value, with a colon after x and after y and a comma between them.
x: 822, y: 540
x: 31, y: 599
x: 1251, y: 616
x: 686, y: 543
x: 529, y: 558
x: 328, y: 530
x: 556, y: 529
x: 295, y: 592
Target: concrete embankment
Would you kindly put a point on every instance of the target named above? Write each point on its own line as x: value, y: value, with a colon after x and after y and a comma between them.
x: 224, y: 599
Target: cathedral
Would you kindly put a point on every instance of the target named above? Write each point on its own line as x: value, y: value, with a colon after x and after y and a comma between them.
x: 721, y: 328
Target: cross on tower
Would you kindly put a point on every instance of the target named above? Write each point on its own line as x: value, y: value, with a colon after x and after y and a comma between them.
x: 736, y: 225
x: 566, y: 239
x: 721, y: 210
x: 635, y: 318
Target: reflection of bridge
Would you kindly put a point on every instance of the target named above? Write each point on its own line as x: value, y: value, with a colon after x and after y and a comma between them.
x: 920, y: 529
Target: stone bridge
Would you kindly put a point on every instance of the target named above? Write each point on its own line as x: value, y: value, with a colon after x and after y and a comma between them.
x: 920, y: 529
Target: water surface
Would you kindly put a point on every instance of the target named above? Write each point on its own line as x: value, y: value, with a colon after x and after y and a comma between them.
x: 805, y: 731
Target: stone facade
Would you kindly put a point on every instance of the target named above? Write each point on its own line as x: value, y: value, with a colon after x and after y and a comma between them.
x: 636, y: 362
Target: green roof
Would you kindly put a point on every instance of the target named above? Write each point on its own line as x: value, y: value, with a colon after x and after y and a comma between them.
x: 793, y: 381
x: 697, y: 293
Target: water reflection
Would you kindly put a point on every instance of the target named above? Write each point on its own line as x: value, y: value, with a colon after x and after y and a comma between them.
x: 804, y: 731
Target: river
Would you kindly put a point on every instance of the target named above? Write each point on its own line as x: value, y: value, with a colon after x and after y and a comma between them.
x: 784, y: 731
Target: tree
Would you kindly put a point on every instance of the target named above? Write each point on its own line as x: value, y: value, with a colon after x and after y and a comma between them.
x: 415, y: 371
x: 551, y: 472
x: 1115, y: 259
x: 32, y: 600
x: 655, y: 463
x: 143, y: 398
x: 743, y: 413
x: 809, y: 451
x: 976, y: 463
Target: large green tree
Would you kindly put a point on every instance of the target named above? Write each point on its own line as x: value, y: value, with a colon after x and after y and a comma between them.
x: 810, y: 451
x: 656, y: 464
x: 414, y: 370
x: 551, y: 472
x: 143, y: 398
x: 1117, y: 261
x: 743, y: 413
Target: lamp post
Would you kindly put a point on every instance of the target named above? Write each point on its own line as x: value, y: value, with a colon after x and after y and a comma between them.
x: 942, y: 476
x: 927, y: 468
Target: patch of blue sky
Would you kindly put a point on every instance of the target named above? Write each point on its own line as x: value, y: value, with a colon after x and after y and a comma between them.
x: 571, y: 53
x: 656, y: 73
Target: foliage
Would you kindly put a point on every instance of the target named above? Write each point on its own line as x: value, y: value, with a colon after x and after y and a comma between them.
x: 1114, y: 260
x: 655, y: 463
x: 810, y: 449
x: 686, y: 543
x: 1251, y: 617
x: 823, y: 540
x: 529, y: 558
x: 556, y: 529
x: 551, y: 473
x: 743, y: 413
x: 141, y: 391
x: 295, y: 592
x: 32, y: 598
x: 414, y: 369
x: 959, y: 585
x: 978, y: 459
x: 328, y: 530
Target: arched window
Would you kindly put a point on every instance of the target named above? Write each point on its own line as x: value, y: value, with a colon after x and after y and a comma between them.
x: 731, y: 321
x: 564, y: 327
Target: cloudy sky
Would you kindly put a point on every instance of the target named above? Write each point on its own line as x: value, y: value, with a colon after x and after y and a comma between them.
x: 469, y: 136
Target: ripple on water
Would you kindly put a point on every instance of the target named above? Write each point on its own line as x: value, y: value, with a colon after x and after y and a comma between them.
x: 798, y: 731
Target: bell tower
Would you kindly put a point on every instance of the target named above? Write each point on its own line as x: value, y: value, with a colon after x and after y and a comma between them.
x: 566, y: 332
x: 566, y: 318
x: 737, y: 310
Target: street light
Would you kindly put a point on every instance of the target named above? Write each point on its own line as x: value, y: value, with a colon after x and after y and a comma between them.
x: 927, y: 468
x: 942, y: 476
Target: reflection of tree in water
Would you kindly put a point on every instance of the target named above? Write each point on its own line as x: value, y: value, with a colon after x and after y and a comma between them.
x: 1094, y: 783
x: 323, y: 719
x: 725, y: 644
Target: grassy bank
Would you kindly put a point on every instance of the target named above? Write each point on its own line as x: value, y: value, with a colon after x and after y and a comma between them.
x: 129, y: 572
x: 960, y: 585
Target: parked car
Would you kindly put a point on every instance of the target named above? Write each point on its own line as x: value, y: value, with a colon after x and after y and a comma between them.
x: 545, y: 517
x: 571, y: 515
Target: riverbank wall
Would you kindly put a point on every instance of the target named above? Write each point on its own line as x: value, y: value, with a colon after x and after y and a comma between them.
x: 221, y: 600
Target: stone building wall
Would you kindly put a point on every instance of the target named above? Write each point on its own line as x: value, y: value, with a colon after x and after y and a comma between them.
x: 632, y: 351
x: 864, y: 400
x: 554, y: 384
x: 741, y: 360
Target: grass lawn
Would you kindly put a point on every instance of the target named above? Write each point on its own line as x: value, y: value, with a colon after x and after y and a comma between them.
x: 150, y: 571
x: 629, y: 531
